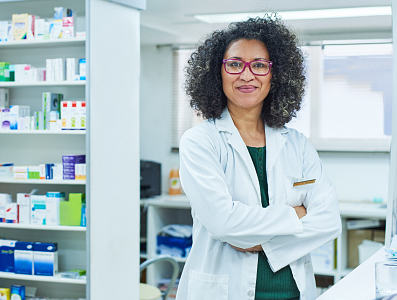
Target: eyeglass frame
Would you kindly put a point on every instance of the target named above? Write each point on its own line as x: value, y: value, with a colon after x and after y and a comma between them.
x: 245, y: 65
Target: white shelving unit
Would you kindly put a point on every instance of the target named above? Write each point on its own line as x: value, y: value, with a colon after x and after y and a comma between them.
x: 108, y: 49
x: 164, y: 210
x: 35, y: 147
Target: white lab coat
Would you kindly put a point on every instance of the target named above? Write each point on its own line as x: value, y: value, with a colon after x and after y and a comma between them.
x: 219, y: 178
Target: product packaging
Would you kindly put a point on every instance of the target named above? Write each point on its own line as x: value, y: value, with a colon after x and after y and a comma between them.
x: 38, y: 209
x: 17, y: 112
x: 5, y: 119
x: 4, y: 71
x: 51, y: 102
x: 18, y: 292
x: 12, y: 213
x: 3, y: 31
x: 23, y: 201
x: 71, y: 69
x: 7, y: 248
x: 39, y: 29
x: 6, y: 170
x: 23, y: 258
x: 82, y: 69
x: 52, y: 207
x: 69, y: 165
x: 45, y: 259
x: 5, y: 294
x: 4, y: 200
x: 174, y: 182
x: 20, y: 26
x: 31, y: 27
x: 4, y: 98
x: 70, y: 211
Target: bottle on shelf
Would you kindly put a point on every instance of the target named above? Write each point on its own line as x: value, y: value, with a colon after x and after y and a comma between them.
x: 174, y: 182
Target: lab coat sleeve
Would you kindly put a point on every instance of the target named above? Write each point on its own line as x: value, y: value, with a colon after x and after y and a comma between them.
x: 233, y: 222
x: 321, y: 224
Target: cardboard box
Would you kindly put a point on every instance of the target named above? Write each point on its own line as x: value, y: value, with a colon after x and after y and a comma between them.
x: 23, y: 201
x: 4, y: 200
x: 50, y: 102
x: 4, y: 71
x: 4, y: 98
x: 23, y: 258
x: 53, y: 207
x: 12, y: 213
x: 7, y: 248
x: 20, y: 26
x: 38, y: 209
x: 356, y: 237
x: 70, y: 211
x: 45, y: 259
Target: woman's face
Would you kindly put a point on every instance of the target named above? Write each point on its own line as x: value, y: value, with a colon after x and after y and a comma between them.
x: 246, y: 90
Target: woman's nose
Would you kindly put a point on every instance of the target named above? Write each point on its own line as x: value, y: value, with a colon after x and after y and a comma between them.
x: 247, y: 75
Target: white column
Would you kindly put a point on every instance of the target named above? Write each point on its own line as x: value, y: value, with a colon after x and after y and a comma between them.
x: 113, y: 53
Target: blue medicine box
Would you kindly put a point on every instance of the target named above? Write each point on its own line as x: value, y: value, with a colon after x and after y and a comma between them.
x: 45, y: 258
x: 175, y: 242
x: 7, y: 248
x: 23, y: 258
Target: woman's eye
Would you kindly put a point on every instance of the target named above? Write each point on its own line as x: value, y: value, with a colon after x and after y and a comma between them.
x: 235, y: 64
x: 259, y: 65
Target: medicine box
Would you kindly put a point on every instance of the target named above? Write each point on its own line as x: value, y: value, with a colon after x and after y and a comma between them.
x: 4, y: 71
x: 5, y: 119
x: 23, y: 201
x: 53, y: 206
x: 70, y: 211
x: 39, y: 29
x: 31, y: 27
x: 3, y: 31
x: 51, y: 102
x: 23, y: 258
x: 6, y: 170
x: 38, y: 209
x: 16, y: 112
x: 20, y: 26
x: 12, y: 213
x: 4, y: 200
x: 45, y: 259
x: 5, y: 294
x: 7, y: 248
x: 4, y: 98
x: 182, y: 244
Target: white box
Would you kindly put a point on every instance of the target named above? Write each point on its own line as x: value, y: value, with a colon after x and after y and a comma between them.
x: 38, y: 209
x: 52, y: 207
x: 3, y: 31
x: 56, y: 29
x: 4, y: 200
x: 323, y: 258
x: 6, y: 170
x: 59, y: 69
x: 4, y: 98
x: 22, y: 73
x: 17, y: 111
x: 39, y: 29
x: 367, y: 248
x: 47, y: 26
x: 57, y: 172
x: 12, y: 213
x: 50, y: 73
x: 71, y: 69
x: 31, y: 27
x: 23, y: 201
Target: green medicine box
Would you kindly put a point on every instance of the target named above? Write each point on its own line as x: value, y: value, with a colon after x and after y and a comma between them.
x: 4, y: 71
x: 70, y: 211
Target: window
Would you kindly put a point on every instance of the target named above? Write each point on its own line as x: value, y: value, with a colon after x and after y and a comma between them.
x: 347, y: 105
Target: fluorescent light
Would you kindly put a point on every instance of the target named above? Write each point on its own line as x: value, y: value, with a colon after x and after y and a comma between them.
x: 302, y: 14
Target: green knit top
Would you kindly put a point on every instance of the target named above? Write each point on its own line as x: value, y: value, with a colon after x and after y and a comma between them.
x: 270, y: 285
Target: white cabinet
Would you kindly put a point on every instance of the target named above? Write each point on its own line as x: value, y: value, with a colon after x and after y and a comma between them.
x: 165, y: 210
x: 108, y: 248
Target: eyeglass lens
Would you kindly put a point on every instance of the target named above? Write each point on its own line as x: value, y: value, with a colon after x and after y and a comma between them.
x: 260, y: 67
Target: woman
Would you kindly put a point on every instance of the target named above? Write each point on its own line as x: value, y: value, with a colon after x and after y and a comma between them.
x: 260, y: 199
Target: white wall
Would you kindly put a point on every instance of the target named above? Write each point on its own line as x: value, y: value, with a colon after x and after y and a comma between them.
x: 357, y: 176
x: 156, y: 109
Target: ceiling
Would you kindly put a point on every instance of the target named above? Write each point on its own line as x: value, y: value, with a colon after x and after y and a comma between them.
x: 172, y: 21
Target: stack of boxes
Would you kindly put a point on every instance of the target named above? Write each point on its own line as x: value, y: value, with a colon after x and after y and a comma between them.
x: 73, y: 115
x: 28, y: 258
x: 51, y: 209
x: 74, y: 167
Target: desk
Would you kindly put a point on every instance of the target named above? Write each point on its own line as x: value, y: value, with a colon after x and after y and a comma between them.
x: 358, y: 284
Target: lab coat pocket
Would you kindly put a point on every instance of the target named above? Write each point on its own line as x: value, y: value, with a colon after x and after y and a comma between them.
x: 296, y: 195
x: 207, y: 286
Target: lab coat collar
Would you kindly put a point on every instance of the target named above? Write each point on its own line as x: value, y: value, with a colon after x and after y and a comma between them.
x: 275, y: 141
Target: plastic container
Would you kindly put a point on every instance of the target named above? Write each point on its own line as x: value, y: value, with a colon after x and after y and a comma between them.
x: 174, y: 182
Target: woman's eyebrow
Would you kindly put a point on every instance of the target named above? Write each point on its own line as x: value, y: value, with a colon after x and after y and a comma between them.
x: 258, y: 58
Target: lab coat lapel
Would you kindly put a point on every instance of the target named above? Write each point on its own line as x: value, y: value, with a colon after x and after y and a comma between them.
x: 226, y: 124
x: 275, y: 142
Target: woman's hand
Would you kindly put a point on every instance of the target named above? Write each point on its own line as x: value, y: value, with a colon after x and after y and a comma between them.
x: 254, y: 249
x: 300, y: 211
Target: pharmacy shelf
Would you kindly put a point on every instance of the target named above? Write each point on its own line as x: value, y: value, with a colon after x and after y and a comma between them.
x: 165, y: 200
x: 52, y: 132
x: 367, y: 210
x: 77, y: 41
x: 42, y: 181
x: 57, y: 279
x: 11, y: 84
x: 43, y: 227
